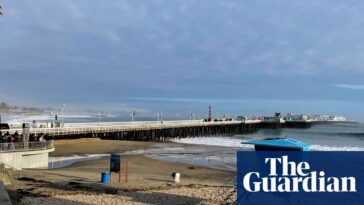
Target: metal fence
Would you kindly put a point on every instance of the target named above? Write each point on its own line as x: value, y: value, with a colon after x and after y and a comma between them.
x: 21, y: 146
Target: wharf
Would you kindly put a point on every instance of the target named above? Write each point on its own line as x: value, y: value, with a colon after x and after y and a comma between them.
x: 162, y: 131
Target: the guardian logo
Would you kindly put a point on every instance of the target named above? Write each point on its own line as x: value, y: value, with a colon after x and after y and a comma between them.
x: 295, y: 177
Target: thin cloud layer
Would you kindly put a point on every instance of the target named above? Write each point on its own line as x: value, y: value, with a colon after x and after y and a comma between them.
x: 353, y: 87
x: 82, y: 52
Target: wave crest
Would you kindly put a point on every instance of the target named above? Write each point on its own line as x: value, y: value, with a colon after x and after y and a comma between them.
x: 334, y: 148
x: 232, y: 142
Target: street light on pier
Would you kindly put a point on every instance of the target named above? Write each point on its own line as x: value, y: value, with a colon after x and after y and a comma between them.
x: 160, y: 117
x: 99, y: 116
x: 132, y: 114
x: 62, y: 110
x: 53, y: 117
x: 192, y: 116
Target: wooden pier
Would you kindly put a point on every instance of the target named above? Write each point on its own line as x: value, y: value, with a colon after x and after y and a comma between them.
x: 160, y: 131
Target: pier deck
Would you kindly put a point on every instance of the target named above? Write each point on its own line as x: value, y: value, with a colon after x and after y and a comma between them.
x: 160, y: 131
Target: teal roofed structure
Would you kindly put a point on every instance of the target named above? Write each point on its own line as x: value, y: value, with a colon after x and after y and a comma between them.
x: 279, y: 144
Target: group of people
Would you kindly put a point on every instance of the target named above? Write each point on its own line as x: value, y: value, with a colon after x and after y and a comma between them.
x: 7, y: 140
x: 10, y: 138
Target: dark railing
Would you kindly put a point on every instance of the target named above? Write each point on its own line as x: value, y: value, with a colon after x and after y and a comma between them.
x: 21, y: 146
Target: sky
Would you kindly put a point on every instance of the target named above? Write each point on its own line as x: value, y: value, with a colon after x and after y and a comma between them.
x: 249, y: 57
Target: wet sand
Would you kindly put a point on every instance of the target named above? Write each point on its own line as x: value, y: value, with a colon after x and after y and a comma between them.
x: 84, y: 146
x: 149, y: 180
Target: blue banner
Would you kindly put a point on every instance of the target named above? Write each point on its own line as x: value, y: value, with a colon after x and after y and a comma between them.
x: 276, y: 178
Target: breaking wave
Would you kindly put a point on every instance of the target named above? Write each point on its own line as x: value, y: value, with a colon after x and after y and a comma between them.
x: 233, y: 142
x: 334, y: 148
x: 214, y: 141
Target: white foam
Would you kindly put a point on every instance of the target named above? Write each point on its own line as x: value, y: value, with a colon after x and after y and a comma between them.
x: 233, y: 142
x: 157, y: 150
x: 214, y: 141
x: 29, y: 118
x: 334, y: 148
x: 58, y: 162
x: 78, y: 116
x: 77, y: 157
x: 24, y: 118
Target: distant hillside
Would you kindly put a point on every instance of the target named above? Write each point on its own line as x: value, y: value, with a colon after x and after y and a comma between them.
x: 13, y: 109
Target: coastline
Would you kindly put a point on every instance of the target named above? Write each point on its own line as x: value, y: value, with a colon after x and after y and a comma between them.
x: 149, y: 180
x: 199, y: 160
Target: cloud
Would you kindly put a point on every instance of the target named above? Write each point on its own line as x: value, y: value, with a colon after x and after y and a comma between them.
x: 352, y: 87
x: 187, y: 48
x: 186, y: 100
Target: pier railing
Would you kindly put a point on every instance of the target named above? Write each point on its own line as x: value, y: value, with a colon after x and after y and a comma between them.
x: 114, y: 127
x: 21, y: 146
x: 108, y: 127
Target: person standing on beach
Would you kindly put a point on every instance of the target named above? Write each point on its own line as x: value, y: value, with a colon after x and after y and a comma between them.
x: 11, y: 142
x: 6, y: 139
x: 2, y: 137
x: 21, y: 138
x: 41, y: 139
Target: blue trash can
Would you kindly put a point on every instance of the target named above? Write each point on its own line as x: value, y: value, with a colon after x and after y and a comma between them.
x: 105, y: 177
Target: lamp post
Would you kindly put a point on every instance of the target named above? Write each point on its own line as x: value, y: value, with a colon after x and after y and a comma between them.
x: 53, y: 120
x: 62, y: 110
x: 132, y: 114
x: 192, y: 116
x: 99, y: 116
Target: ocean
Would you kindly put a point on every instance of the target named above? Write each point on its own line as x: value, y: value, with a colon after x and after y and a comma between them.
x: 219, y: 152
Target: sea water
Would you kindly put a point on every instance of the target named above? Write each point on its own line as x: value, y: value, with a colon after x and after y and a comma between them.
x: 220, y: 151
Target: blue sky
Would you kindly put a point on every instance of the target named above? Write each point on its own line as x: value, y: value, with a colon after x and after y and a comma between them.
x: 249, y: 57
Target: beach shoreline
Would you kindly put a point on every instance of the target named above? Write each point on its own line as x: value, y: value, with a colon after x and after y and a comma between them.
x: 149, y: 180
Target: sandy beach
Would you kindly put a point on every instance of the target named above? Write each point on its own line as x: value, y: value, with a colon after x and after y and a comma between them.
x: 149, y: 180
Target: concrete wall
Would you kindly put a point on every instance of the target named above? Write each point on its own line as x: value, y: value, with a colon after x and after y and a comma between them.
x: 29, y: 159
x: 4, y: 197
x: 13, y: 159
x: 35, y: 160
